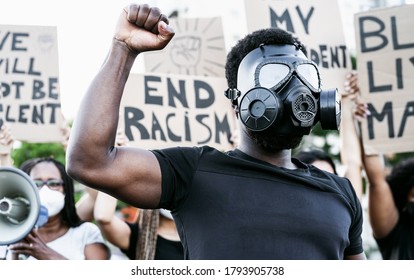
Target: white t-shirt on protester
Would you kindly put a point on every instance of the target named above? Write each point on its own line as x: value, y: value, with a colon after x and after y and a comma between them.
x: 72, y: 244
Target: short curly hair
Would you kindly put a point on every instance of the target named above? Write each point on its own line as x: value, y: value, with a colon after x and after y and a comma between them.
x: 268, y: 36
x: 401, y: 181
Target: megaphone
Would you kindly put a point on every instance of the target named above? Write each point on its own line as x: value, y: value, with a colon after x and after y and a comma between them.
x: 19, y: 205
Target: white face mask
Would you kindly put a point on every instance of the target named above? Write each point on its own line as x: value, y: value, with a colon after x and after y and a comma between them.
x: 54, y: 201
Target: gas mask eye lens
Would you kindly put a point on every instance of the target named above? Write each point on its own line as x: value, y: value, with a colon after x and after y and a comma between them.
x: 310, y: 74
x: 272, y: 74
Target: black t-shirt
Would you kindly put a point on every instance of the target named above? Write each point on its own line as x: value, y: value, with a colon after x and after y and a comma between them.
x: 399, y: 244
x: 232, y: 206
x: 165, y: 249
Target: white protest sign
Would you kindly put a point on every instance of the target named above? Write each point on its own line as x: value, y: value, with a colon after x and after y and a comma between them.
x: 317, y: 24
x: 385, y: 61
x: 198, y: 48
x: 29, y: 83
x: 161, y: 110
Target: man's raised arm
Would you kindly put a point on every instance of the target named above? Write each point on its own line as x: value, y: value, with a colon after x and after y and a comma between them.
x: 130, y: 174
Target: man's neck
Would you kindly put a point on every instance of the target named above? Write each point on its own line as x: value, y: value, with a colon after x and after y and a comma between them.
x: 281, y: 158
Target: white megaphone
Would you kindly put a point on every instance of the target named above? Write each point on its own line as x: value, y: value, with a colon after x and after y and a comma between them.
x: 19, y: 205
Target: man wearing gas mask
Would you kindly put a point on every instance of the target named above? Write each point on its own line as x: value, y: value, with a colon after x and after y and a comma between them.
x: 279, y: 90
x: 253, y: 202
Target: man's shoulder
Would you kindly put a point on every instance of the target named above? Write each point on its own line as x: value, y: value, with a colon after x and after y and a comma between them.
x: 189, y: 150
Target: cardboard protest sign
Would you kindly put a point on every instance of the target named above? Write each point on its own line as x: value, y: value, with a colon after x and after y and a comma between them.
x: 318, y: 25
x: 29, y: 82
x: 162, y: 110
x: 385, y: 61
x: 198, y: 48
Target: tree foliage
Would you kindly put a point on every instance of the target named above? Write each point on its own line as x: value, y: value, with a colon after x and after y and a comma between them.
x: 32, y: 150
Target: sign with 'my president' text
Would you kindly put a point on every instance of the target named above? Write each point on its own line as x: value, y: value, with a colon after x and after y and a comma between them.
x: 385, y: 59
x: 165, y: 110
x: 317, y: 24
x: 29, y: 83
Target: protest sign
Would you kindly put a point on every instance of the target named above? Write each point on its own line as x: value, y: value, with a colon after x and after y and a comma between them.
x: 198, y: 48
x: 164, y: 110
x: 29, y: 82
x: 318, y: 25
x: 385, y: 61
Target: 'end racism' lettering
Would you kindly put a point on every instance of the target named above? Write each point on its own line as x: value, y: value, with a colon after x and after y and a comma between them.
x: 164, y: 130
x: 175, y: 110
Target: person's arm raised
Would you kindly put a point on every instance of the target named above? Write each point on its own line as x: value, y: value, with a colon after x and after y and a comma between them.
x: 383, y: 213
x: 382, y: 210
x: 113, y: 228
x: 6, y: 146
x: 130, y: 174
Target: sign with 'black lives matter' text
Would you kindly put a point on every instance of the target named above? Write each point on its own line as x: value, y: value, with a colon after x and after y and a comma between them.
x: 385, y: 59
x: 29, y: 83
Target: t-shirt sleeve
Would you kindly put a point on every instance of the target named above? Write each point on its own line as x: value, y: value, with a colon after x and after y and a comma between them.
x: 355, y: 232
x: 177, y: 168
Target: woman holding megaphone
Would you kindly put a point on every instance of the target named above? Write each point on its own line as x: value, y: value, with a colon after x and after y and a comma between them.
x: 64, y: 235
x: 59, y: 233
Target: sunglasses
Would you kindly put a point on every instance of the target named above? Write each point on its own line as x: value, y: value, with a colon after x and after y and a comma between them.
x: 52, y: 183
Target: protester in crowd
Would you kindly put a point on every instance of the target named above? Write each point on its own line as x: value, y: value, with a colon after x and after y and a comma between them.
x: 53, y: 240
x: 390, y: 198
x: 227, y: 205
x: 350, y: 155
x: 64, y: 235
x: 153, y: 236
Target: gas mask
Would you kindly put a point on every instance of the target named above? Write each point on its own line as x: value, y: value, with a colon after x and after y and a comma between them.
x: 280, y: 88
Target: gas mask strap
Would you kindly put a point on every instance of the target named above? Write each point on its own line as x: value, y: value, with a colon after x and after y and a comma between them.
x: 233, y: 94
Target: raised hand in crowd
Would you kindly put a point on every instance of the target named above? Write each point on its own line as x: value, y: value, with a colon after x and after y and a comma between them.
x: 6, y: 146
x: 350, y: 147
x: 390, y: 195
